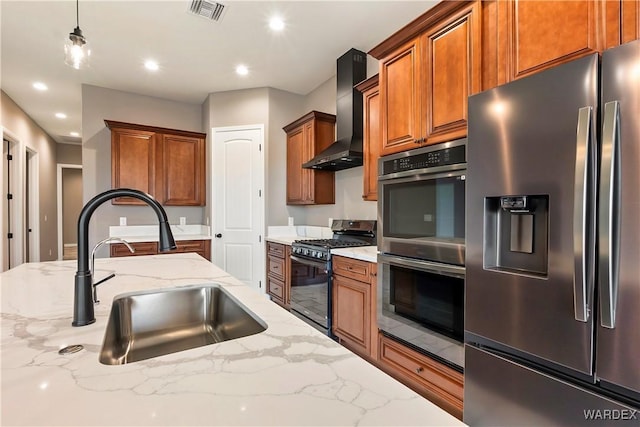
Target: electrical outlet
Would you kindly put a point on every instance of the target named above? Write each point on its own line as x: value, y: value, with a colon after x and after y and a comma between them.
x: 123, y: 220
x: 183, y: 220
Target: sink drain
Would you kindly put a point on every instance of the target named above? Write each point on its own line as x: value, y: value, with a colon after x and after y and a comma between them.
x: 70, y: 349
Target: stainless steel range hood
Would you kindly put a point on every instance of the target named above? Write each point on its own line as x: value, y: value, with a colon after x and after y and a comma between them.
x: 346, y: 151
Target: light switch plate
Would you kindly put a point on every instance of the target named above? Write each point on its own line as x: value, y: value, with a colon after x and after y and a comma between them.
x: 123, y: 220
x: 183, y: 220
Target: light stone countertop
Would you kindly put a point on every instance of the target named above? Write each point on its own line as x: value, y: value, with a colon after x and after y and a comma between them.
x: 364, y: 253
x: 289, y: 374
x: 149, y: 233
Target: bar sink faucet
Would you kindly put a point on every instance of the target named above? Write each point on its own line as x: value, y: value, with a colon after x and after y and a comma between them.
x: 83, y: 313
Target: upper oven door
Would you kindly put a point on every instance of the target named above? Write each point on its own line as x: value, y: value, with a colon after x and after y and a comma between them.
x: 421, y: 215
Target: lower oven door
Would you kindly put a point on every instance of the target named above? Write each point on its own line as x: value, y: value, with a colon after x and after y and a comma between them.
x: 422, y: 304
x: 310, y: 292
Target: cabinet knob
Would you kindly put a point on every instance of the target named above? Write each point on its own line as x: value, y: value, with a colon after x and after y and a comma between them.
x: 219, y: 235
x: 419, y: 369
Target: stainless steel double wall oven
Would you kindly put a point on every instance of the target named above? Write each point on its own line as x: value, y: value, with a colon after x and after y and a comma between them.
x: 421, y: 240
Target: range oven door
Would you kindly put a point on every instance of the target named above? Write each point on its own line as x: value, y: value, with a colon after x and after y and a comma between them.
x: 310, y: 292
x: 422, y: 215
x: 422, y: 304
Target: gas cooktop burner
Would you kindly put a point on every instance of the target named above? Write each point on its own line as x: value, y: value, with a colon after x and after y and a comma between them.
x: 332, y: 243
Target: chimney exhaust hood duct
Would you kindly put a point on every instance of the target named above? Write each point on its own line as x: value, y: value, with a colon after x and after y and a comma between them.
x: 346, y: 152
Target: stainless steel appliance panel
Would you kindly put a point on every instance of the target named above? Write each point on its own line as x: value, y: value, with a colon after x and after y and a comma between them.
x: 618, y: 333
x: 499, y: 392
x: 422, y: 304
x: 522, y: 141
x: 421, y: 203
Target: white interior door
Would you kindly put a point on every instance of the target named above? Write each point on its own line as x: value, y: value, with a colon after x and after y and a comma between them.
x: 238, y: 202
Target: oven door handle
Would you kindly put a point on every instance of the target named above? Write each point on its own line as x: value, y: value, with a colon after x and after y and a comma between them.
x: 427, y: 266
x: 317, y: 264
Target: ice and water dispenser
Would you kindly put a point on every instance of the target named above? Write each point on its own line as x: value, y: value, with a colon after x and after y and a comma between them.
x: 516, y: 234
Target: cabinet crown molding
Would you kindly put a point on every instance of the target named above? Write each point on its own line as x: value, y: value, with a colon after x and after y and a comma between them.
x: 112, y: 124
x: 318, y: 115
x: 415, y: 27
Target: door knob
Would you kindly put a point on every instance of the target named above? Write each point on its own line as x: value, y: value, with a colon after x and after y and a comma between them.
x: 219, y: 235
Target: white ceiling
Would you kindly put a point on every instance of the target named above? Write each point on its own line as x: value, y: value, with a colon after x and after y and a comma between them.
x: 196, y: 56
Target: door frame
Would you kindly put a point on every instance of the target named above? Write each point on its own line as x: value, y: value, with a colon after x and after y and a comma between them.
x: 32, y: 158
x: 263, y: 198
x: 19, y: 151
x: 60, y: 167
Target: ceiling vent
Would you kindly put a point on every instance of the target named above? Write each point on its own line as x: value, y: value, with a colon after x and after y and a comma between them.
x: 211, y: 10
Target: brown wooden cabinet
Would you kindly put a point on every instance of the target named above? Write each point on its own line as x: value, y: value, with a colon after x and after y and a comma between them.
x: 371, y: 136
x: 427, y: 71
x: 278, y: 273
x: 306, y: 137
x: 169, y: 164
x: 200, y: 247
x: 541, y: 35
x: 435, y: 381
x: 521, y: 38
x: 354, y: 305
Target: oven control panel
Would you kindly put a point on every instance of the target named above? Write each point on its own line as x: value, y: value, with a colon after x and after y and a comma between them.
x: 427, y: 157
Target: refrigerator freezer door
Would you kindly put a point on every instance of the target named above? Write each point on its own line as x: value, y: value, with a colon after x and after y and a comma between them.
x: 618, y: 333
x: 525, y: 140
x: 500, y: 392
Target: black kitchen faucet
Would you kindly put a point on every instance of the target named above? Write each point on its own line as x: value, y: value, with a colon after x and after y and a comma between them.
x: 83, y: 313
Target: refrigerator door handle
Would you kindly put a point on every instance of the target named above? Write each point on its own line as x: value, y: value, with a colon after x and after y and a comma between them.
x: 609, y: 214
x: 581, y: 221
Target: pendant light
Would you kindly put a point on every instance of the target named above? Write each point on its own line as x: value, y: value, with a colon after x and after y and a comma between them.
x: 76, y: 49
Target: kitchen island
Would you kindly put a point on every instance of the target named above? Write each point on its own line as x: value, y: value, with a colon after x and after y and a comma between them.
x: 289, y: 374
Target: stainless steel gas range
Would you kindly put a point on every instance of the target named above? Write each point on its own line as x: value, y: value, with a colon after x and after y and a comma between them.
x: 311, y: 269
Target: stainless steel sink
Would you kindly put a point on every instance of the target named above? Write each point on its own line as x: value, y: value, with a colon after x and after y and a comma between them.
x: 148, y: 324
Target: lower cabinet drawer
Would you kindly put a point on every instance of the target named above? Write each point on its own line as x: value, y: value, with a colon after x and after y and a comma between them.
x: 190, y: 246
x: 276, y: 267
x: 275, y: 288
x: 140, y: 248
x: 435, y: 381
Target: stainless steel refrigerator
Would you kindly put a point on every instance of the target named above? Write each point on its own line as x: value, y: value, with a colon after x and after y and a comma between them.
x: 552, y: 299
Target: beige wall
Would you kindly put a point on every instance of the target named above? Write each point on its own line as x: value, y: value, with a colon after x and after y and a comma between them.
x: 99, y: 104
x: 16, y: 122
x: 71, y: 204
x: 69, y: 154
x: 275, y: 109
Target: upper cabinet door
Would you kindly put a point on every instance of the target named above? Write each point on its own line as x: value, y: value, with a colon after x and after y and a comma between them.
x: 295, y: 158
x: 453, y: 72
x: 133, y: 163
x: 542, y: 34
x: 183, y: 169
x: 401, y: 97
x: 630, y: 15
x: 371, y: 136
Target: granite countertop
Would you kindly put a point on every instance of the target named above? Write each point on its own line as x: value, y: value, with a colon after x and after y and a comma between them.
x: 289, y: 374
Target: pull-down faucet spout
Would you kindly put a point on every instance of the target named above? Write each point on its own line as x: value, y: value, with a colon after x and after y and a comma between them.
x: 83, y: 313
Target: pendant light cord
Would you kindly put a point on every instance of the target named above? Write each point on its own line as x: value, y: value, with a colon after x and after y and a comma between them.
x: 77, y: 14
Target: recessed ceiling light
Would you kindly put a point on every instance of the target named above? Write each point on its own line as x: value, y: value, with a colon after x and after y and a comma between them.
x: 61, y: 115
x: 242, y: 70
x: 74, y: 134
x: 40, y: 86
x: 276, y: 23
x: 151, y: 65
